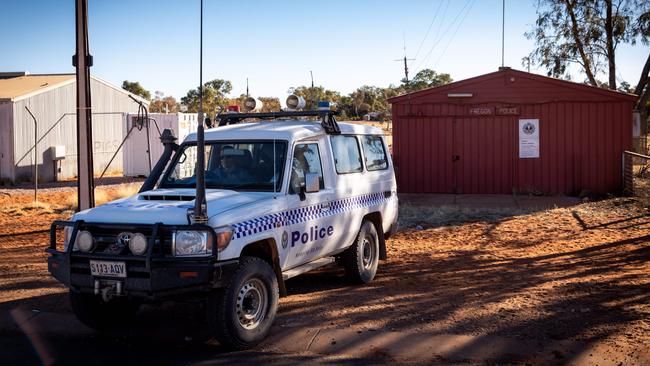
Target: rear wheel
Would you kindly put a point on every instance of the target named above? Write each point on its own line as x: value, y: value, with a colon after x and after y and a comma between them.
x: 240, y: 315
x: 362, y: 258
x: 92, y: 311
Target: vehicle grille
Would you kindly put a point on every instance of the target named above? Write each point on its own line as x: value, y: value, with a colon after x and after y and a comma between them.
x: 107, y: 238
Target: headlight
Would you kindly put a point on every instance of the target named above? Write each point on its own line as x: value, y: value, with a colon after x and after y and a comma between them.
x: 85, y: 241
x: 191, y: 243
x: 67, y: 236
x: 138, y: 244
x: 224, y: 235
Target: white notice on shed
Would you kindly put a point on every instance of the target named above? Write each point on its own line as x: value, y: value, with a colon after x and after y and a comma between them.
x: 529, y: 138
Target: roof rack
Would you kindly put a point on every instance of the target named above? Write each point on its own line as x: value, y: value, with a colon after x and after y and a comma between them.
x: 327, y: 118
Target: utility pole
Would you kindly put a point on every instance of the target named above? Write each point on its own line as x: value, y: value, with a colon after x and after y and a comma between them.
x: 406, y: 67
x: 246, y: 87
x: 82, y: 60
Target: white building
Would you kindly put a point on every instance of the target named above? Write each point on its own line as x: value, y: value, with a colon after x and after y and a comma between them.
x: 136, y: 148
x: 51, y: 99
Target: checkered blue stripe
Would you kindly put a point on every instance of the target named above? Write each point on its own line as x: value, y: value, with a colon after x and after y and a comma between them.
x: 307, y: 213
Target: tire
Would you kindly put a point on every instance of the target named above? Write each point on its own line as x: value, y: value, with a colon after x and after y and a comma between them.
x: 240, y: 315
x: 115, y: 315
x: 361, y: 259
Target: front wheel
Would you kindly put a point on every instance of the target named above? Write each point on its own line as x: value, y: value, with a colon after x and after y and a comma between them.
x: 362, y: 258
x: 240, y: 315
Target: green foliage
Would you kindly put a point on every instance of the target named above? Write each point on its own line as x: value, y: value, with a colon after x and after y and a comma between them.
x: 136, y: 88
x: 585, y: 33
x: 365, y: 99
x: 314, y: 95
x: 163, y: 104
x: 426, y: 78
x: 214, y: 97
x: 369, y: 99
x: 269, y: 104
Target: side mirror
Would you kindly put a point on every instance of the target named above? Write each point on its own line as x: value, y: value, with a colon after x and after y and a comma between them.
x: 311, y: 182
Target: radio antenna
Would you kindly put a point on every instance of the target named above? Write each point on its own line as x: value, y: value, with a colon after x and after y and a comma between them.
x: 200, y: 210
x: 503, y: 32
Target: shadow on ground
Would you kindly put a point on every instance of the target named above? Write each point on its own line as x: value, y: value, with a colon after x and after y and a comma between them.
x: 578, y: 295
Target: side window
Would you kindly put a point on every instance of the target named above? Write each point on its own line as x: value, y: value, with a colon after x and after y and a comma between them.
x: 374, y: 152
x: 306, y: 159
x: 347, y: 157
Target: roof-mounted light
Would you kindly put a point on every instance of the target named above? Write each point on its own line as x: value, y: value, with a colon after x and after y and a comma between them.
x: 295, y: 102
x: 252, y: 104
x: 460, y: 95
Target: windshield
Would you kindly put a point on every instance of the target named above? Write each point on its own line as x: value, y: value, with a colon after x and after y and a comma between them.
x: 238, y: 165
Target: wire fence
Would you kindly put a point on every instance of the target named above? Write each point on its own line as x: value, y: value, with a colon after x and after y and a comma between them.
x: 631, y: 160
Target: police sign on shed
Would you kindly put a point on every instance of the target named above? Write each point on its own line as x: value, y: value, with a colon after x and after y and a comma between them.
x: 529, y: 138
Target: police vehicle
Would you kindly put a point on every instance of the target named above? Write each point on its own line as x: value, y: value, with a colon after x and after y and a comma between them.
x: 283, y: 195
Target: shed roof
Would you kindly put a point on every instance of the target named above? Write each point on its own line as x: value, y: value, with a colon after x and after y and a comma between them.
x: 537, y: 86
x: 15, y: 88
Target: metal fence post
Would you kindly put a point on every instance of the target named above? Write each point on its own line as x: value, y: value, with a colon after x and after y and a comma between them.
x: 35, y: 155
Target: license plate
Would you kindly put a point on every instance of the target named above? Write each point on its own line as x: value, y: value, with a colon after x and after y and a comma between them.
x: 108, y: 269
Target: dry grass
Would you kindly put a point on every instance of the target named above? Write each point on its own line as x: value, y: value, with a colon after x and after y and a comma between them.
x: 411, y: 216
x: 64, y: 203
x: 104, y: 194
x: 31, y: 208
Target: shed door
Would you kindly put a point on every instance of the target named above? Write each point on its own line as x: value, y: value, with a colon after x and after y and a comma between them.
x: 483, y: 154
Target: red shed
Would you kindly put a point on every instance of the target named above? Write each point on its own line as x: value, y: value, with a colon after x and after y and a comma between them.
x: 511, y: 131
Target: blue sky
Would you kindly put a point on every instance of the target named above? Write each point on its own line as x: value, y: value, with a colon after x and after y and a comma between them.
x: 275, y: 43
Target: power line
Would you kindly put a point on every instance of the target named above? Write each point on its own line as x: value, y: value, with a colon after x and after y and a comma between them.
x: 429, y: 29
x: 445, y: 32
x: 437, y: 36
x: 454, y: 34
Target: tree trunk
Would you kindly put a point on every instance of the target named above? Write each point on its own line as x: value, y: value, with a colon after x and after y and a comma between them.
x: 576, y: 38
x: 641, y: 107
x: 609, y: 39
x: 643, y: 91
x: 644, y: 77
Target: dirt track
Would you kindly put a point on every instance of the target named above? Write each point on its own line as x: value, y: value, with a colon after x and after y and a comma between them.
x: 575, y: 274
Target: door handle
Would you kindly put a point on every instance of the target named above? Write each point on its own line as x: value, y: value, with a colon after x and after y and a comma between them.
x: 455, y: 157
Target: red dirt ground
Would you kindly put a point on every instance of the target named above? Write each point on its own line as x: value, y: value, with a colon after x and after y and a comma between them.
x: 578, y: 274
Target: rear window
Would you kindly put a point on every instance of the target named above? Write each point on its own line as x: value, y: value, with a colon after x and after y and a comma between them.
x: 374, y: 153
x: 347, y: 157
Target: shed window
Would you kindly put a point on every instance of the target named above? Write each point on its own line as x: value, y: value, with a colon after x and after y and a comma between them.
x: 374, y: 153
x: 347, y: 157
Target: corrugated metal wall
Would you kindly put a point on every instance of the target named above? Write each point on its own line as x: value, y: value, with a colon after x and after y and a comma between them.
x: 442, y: 147
x: 6, y: 140
x: 50, y: 108
x: 135, y: 157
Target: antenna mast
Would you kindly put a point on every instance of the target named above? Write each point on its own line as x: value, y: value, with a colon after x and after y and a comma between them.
x: 406, y: 67
x: 503, y: 32
x: 200, y: 215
